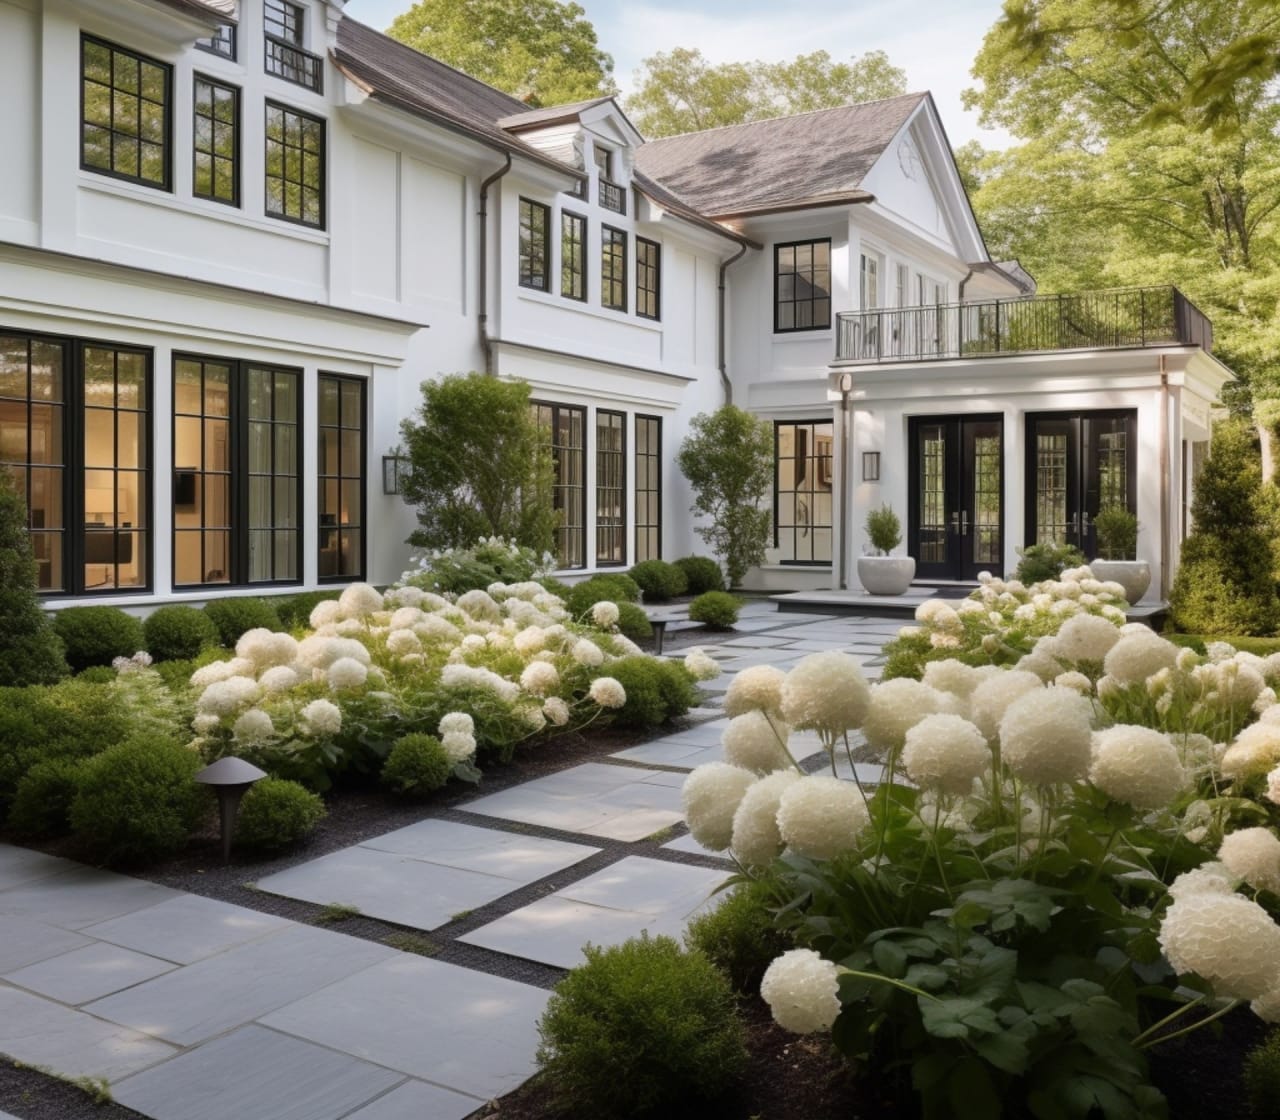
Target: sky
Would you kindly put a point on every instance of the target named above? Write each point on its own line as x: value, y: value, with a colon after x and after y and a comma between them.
x: 935, y: 41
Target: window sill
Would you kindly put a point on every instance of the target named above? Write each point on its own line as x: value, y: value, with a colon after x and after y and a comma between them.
x: 565, y: 303
x: 821, y: 334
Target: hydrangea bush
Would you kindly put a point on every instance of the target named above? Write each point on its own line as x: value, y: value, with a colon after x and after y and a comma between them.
x: 1073, y: 855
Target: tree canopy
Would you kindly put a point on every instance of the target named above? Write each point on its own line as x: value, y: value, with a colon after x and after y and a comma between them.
x: 541, y: 51
x: 680, y: 91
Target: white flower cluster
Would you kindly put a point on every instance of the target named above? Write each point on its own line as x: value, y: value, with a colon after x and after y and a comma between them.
x: 801, y: 989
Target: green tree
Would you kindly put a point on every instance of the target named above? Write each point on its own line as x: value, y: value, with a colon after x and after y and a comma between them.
x: 30, y: 651
x: 541, y: 51
x: 728, y: 459
x: 680, y: 91
x: 479, y: 465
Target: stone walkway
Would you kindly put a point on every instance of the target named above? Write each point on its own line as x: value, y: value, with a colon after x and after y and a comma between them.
x: 197, y: 1009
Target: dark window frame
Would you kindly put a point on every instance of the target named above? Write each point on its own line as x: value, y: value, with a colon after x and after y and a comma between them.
x: 166, y: 182
x: 611, y: 239
x: 236, y: 160
x: 363, y: 526
x: 554, y: 411
x: 648, y: 279
x: 656, y: 457
x: 567, y: 272
x: 210, y: 44
x: 795, y: 301
x: 812, y: 525
x: 616, y: 529
x: 291, y: 13
x: 321, y: 190
x: 526, y: 255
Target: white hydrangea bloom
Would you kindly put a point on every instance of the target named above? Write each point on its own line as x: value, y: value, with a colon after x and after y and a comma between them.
x: 204, y: 722
x: 324, y: 613
x: 318, y: 652
x: 1042, y: 662
x: 434, y: 628
x: 321, y: 717
x: 400, y: 642
x: 1220, y: 651
x: 358, y: 601
x: 279, y: 678
x: 530, y: 640
x: 754, y: 741
x: 757, y: 688
x: 952, y: 676
x: 586, y: 652
x: 1087, y: 637
x: 1045, y: 736
x: 624, y: 646
x: 1239, y: 684
x: 406, y: 618
x: 539, y: 678
x: 253, y: 726
x: 458, y: 746
x: 473, y: 642
x: 605, y: 615
x: 346, y: 673
x: 266, y: 647
x: 1256, y: 750
x: 1227, y: 940
x: 895, y: 707
x: 222, y: 698
x: 350, y: 627
x: 456, y: 722
x: 1273, y: 786
x: 607, y: 692
x: 701, y: 667
x: 711, y: 795
x: 1136, y: 765
x: 405, y: 596
x: 1139, y: 654
x: 756, y: 839
x: 211, y: 673
x: 556, y: 711
x: 1208, y: 878
x: 1075, y: 681
x: 467, y: 676
x: 802, y: 991
x: 821, y: 817
x: 946, y: 753
x: 479, y: 605
x: 1253, y: 854
x: 993, y: 696
x: 825, y: 692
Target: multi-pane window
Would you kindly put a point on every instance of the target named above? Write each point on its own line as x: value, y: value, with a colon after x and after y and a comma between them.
x: 283, y: 20
x: 611, y: 487
x: 613, y: 269
x: 74, y: 434
x: 648, y: 488
x: 222, y: 41
x: 125, y: 99
x: 611, y: 196
x: 869, y: 283
x: 648, y: 278
x: 535, y: 260
x: 573, y: 256
x: 216, y: 141
x: 565, y: 429
x: 283, y: 24
x: 202, y: 477
x: 275, y: 455
x: 295, y: 166
x: 802, y: 286
x: 342, y: 457
x: 802, y: 509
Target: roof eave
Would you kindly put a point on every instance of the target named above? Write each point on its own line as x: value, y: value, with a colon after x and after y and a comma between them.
x: 851, y: 198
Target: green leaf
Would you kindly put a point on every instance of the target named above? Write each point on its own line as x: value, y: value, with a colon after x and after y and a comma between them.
x: 957, y: 1018
x: 973, y: 1093
x: 1005, y: 1051
x: 890, y: 958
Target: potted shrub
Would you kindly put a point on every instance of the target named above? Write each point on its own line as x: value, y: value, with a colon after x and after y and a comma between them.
x: 881, y: 573
x: 1117, y: 531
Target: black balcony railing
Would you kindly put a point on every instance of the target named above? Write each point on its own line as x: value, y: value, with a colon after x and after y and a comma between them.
x: 293, y: 64
x: 1119, y: 319
x: 613, y: 197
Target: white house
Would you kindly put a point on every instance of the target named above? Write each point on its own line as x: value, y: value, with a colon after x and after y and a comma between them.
x: 236, y: 236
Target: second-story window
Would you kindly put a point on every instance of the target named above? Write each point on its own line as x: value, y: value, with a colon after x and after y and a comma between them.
x: 535, y: 261
x: 283, y: 20
x: 573, y: 256
x: 648, y: 278
x: 611, y: 195
x: 283, y: 25
x: 802, y: 286
x: 216, y: 142
x: 222, y: 41
x: 295, y: 166
x: 125, y: 100
x: 613, y: 269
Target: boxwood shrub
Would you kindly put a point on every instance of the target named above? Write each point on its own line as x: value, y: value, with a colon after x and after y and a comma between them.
x: 701, y: 574
x: 612, y: 587
x: 98, y: 635
x: 659, y: 581
x: 41, y: 806
x: 178, y: 633
x: 717, y: 609
x: 417, y: 765
x: 633, y: 622
x: 233, y: 617
x: 276, y: 813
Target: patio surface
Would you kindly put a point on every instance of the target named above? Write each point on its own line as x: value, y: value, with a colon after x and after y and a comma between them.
x: 193, y: 1008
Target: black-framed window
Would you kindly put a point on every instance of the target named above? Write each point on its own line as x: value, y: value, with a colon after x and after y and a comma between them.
x: 216, y: 141
x: 284, y: 27
x: 648, y: 278
x: 283, y: 20
x: 802, y: 491
x: 802, y: 285
x: 573, y: 256
x: 221, y: 42
x: 237, y: 485
x: 125, y: 104
x: 565, y: 429
x: 295, y: 165
x: 75, y: 436
x: 535, y: 259
x: 342, y: 477
x: 611, y: 487
x: 613, y: 268
x: 648, y: 488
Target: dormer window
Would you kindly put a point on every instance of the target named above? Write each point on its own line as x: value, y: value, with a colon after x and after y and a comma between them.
x: 612, y: 197
x: 283, y: 24
x: 222, y: 41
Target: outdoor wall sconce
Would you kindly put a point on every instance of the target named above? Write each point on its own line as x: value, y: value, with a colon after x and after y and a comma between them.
x: 394, y: 470
x: 871, y: 466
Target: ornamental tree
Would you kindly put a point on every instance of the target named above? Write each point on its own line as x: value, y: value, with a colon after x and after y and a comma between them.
x: 479, y: 465
x: 30, y: 651
x: 728, y: 460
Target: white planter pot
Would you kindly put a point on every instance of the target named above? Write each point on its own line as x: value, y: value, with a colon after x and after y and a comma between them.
x: 1133, y: 575
x: 886, y: 575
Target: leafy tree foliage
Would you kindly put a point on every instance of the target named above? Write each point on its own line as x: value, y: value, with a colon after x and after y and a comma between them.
x: 30, y: 651
x: 479, y: 465
x: 541, y: 51
x: 728, y: 460
x: 680, y: 91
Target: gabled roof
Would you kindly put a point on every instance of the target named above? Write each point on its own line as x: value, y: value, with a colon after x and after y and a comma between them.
x: 552, y: 114
x: 813, y: 159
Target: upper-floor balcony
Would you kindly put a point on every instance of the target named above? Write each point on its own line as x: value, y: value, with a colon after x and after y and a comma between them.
x: 1117, y: 319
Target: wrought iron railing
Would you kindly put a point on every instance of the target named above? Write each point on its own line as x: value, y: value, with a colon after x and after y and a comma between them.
x: 293, y: 64
x: 1119, y: 319
x: 613, y: 197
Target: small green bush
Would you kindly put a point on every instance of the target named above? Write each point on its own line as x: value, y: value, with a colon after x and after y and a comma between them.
x: 233, y: 617
x: 137, y: 800
x: 175, y: 674
x: 641, y: 1029
x: 30, y: 651
x: 633, y: 622
x: 701, y: 574
x: 557, y: 587
x: 613, y: 587
x: 679, y: 692
x: 739, y: 936
x: 417, y: 765
x: 1046, y: 561
x: 1117, y: 531
x: 646, y: 704
x: 659, y: 581
x: 97, y: 674
x: 41, y: 805
x: 276, y: 813
x: 295, y: 610
x: 178, y: 633
x: 884, y: 530
x: 717, y: 609
x: 1261, y: 1076
x: 98, y: 635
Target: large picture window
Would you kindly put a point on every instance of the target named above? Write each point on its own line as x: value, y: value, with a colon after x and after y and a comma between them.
x: 74, y: 435
x: 802, y: 506
x: 125, y: 99
x: 295, y: 166
x: 611, y: 487
x: 573, y: 256
x: 802, y: 286
x: 216, y: 142
x: 648, y: 278
x: 565, y: 430
x: 613, y: 269
x: 535, y: 261
x: 648, y: 488
x: 342, y: 459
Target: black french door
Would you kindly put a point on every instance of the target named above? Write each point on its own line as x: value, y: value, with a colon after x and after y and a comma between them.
x: 956, y: 512
x: 1077, y: 464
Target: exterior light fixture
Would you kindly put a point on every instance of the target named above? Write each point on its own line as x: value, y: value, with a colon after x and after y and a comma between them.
x: 871, y: 466
x: 394, y: 470
x: 230, y: 778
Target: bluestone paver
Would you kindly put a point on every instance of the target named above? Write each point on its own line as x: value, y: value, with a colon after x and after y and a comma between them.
x: 79, y: 897
x: 22, y: 865
x: 89, y: 973
x: 187, y: 929
x: 24, y: 941
x: 416, y: 1100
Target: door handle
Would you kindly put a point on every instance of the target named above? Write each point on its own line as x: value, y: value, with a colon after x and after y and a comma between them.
x: 955, y: 523
x: 964, y: 522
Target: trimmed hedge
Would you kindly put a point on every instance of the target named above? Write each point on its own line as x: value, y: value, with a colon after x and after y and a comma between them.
x: 98, y: 635
x: 178, y: 633
x: 613, y: 587
x: 233, y: 617
x: 659, y: 581
x: 717, y: 609
x: 276, y: 813
x: 417, y: 765
x: 701, y: 574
